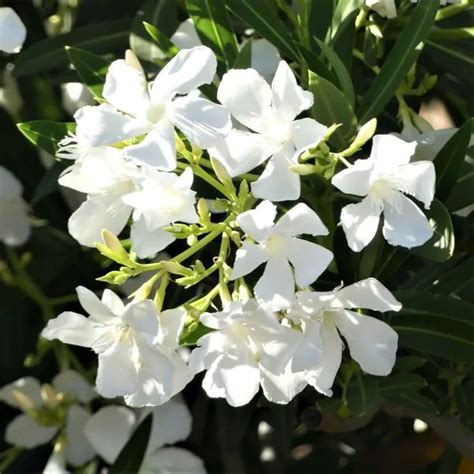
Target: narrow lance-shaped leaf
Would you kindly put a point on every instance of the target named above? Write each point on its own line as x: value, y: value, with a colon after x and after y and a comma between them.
x: 162, y: 14
x: 131, y: 456
x: 92, y: 69
x: 45, y: 134
x: 48, y: 54
x: 449, y: 160
x: 399, y: 61
x: 213, y: 26
x: 260, y: 16
x: 331, y: 107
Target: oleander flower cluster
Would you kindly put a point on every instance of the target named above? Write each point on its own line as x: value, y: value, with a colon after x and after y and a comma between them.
x: 62, y: 413
x: 159, y: 158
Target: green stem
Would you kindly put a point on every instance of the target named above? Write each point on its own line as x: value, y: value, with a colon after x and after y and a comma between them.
x: 452, y: 10
x: 203, y: 174
x: 452, y: 33
x: 10, y: 455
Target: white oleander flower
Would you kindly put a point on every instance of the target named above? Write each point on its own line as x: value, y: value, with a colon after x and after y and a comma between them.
x: 271, y: 112
x: 135, y: 109
x: 12, y: 31
x: 111, y: 427
x: 264, y: 57
x: 49, y: 410
x: 385, y: 8
x: 248, y: 343
x: 136, y: 346
x: 163, y: 199
x: 278, y: 246
x: 14, y: 222
x: 382, y: 180
x: 323, y: 316
x: 105, y: 176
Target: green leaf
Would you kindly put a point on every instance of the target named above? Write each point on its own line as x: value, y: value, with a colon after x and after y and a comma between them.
x: 92, y: 69
x: 449, y: 160
x: 131, y: 456
x: 161, y: 14
x: 340, y: 70
x: 412, y: 400
x: 441, y: 246
x: 409, y: 363
x: 331, y: 107
x: 462, y: 195
x: 361, y: 394
x: 49, y: 182
x: 244, y: 57
x: 45, y: 134
x: 457, y: 282
x: 163, y: 42
x: 435, y: 324
x: 401, y: 383
x: 215, y: 30
x: 399, y: 61
x: 99, y: 38
x: 262, y: 18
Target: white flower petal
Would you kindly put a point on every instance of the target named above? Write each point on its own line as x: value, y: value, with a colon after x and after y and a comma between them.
x: 247, y: 259
x: 142, y: 317
x: 73, y: 328
x: 306, y: 133
x: 186, y: 36
x: 146, y: 243
x: 355, y: 179
x: 265, y: 58
x: 94, y: 215
x: 372, y: 343
x: 15, y: 228
x: 258, y: 222
x: 113, y: 302
x: 368, y: 293
x: 28, y: 386
x: 277, y: 182
x: 103, y: 170
x: 24, y: 432
x: 116, y: 372
x: 248, y: 97
x: 12, y: 31
x: 126, y: 89
x: 405, y: 224
x: 188, y: 70
x: 308, y: 259
x: 241, y: 151
x: 289, y: 99
x: 171, y: 424
x: 93, y: 305
x: 360, y: 222
x: 308, y: 353
x: 78, y: 449
x: 417, y: 179
x: 300, y: 219
x: 203, y: 122
x: 322, y: 377
x: 102, y: 125
x: 171, y: 326
x: 109, y: 429
x: 241, y: 381
x: 10, y: 185
x: 212, y: 382
x: 282, y: 388
x: 73, y: 383
x: 389, y: 152
x: 56, y: 464
x: 172, y: 461
x: 158, y: 148
x: 276, y: 286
